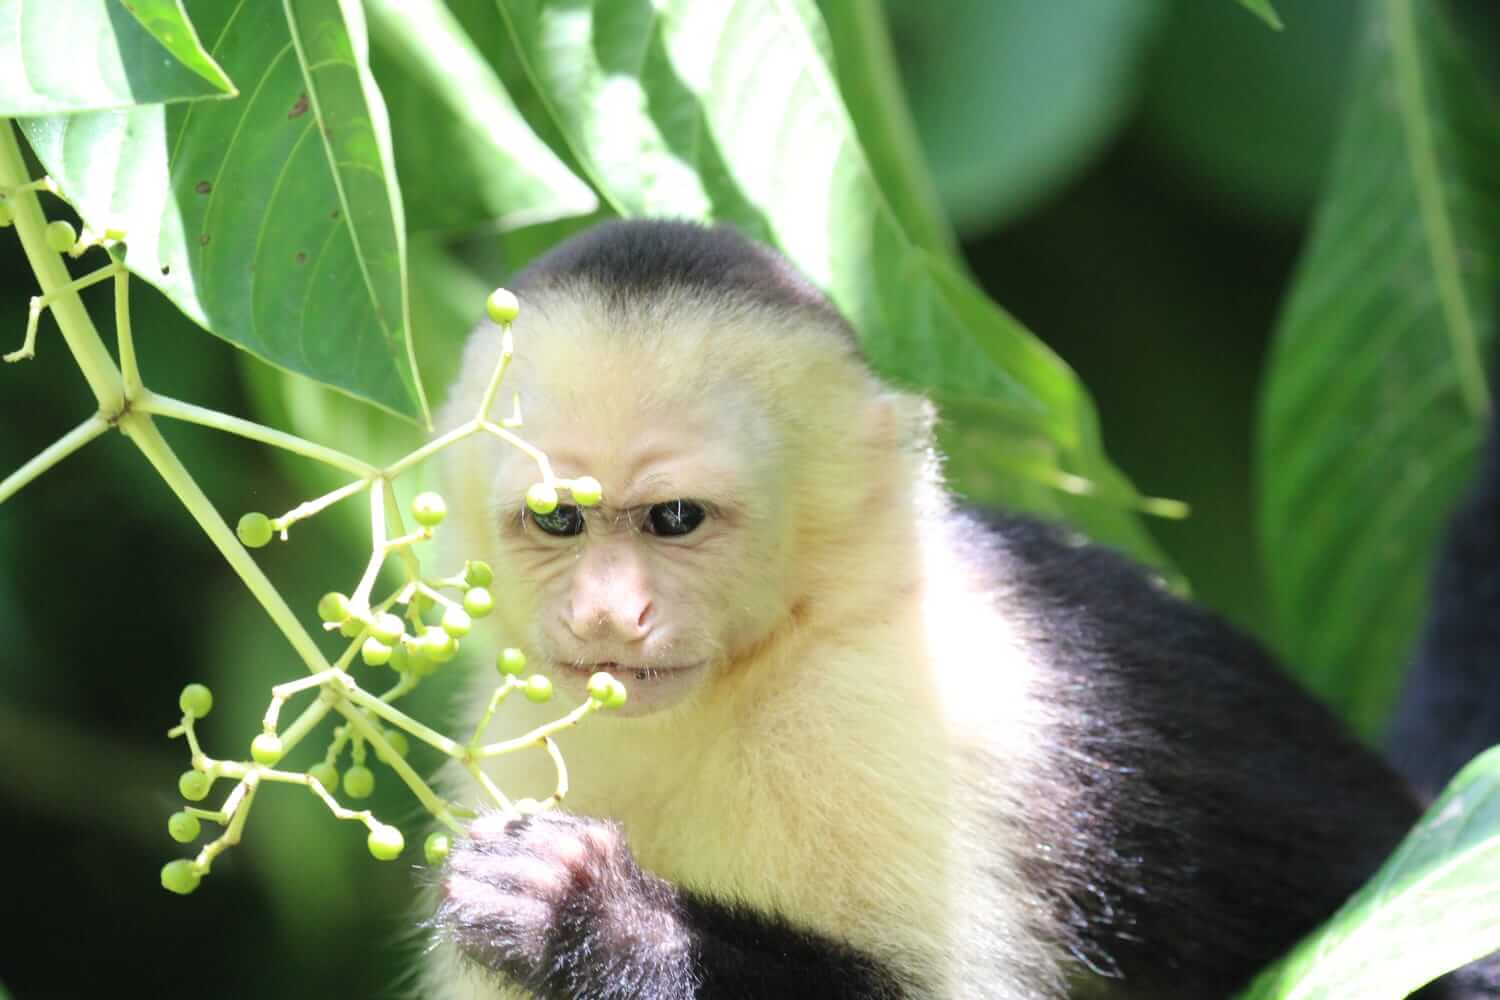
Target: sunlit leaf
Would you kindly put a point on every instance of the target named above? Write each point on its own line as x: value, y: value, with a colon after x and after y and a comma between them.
x: 1263, y: 10
x: 1434, y: 906
x: 729, y: 111
x: 1376, y: 396
x: 274, y: 220
x: 465, y: 155
x: 58, y: 56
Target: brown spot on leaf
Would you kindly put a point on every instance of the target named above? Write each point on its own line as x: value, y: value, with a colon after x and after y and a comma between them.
x: 300, y: 108
x: 166, y: 269
x: 334, y: 214
x: 302, y: 256
x: 203, y: 187
x: 203, y: 240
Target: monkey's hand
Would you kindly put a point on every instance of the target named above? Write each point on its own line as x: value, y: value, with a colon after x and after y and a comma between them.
x: 558, y: 904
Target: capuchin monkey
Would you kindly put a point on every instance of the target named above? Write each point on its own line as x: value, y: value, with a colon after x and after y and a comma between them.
x: 874, y: 746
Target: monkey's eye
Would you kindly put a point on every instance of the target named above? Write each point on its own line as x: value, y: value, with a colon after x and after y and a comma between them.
x: 675, y: 517
x: 566, y: 520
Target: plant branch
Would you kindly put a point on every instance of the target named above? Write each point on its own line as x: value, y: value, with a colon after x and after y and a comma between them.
x: 54, y: 453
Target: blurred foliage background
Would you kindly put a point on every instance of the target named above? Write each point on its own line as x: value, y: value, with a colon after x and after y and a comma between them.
x: 1133, y: 179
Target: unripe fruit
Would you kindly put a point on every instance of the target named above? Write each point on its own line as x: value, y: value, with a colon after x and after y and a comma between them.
x: 512, y: 661
x: 437, y: 645
x: 326, y: 775
x: 398, y: 741
x: 254, y: 530
x: 374, y: 652
x: 542, y: 498
x: 196, y: 700
x: 359, y: 782
x: 478, y: 602
x: 502, y: 306
x: 617, y: 694
x: 436, y: 848
x: 457, y: 623
x: 538, y: 688
x: 400, y: 658
x: 194, y: 785
x: 386, y: 843
x: 478, y: 573
x: 184, y: 827
x: 587, y: 491
x: 429, y: 509
x: 387, y: 628
x: 333, y: 608
x: 600, y: 687
x: 61, y: 236
x: 180, y: 876
x: 266, y: 749
x: 351, y: 628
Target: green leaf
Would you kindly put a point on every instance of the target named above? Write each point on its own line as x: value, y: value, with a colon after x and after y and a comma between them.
x: 729, y: 111
x: 273, y: 221
x: 1376, y: 396
x: 1013, y: 100
x: 1263, y: 10
x: 58, y: 56
x: 1433, y: 906
x: 464, y: 153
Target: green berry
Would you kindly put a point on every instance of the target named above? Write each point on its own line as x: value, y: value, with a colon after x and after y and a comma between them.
x: 387, y: 628
x: 61, y: 236
x: 436, y: 848
x: 617, y: 695
x: 512, y: 661
x: 6, y: 215
x: 374, y: 652
x: 386, y: 843
x: 401, y: 658
x: 351, y: 628
x: 478, y: 574
x: 326, y: 775
x: 196, y: 700
x: 429, y: 509
x: 457, y: 623
x: 184, y: 827
x: 437, y: 644
x: 601, y: 685
x: 538, y: 688
x: 254, y: 529
x: 478, y: 602
x: 359, y: 782
x: 266, y: 749
x: 332, y: 607
x: 542, y: 498
x: 502, y: 306
x: 194, y: 785
x: 398, y: 741
x: 587, y: 491
x: 180, y: 876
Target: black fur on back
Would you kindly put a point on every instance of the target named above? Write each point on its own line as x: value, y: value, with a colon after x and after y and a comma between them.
x: 1450, y: 709
x: 635, y: 260
x: 1204, y: 813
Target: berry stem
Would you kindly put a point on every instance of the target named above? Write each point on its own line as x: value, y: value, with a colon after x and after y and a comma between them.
x: 77, y: 328
x: 507, y: 350
x: 130, y: 371
x: 501, y: 693
x: 493, y: 790
x: 371, y: 733
x: 27, y: 350
x: 165, y: 406
x: 396, y: 717
x: 538, y: 735
x: 53, y: 454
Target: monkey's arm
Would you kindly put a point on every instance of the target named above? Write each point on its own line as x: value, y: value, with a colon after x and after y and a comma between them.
x: 557, y: 904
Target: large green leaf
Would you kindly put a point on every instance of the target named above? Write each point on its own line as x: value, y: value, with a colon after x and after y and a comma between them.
x: 1263, y: 10
x: 729, y: 111
x: 58, y: 56
x: 1013, y: 100
x: 1376, y: 395
x: 465, y: 155
x: 1434, y: 906
x: 274, y: 221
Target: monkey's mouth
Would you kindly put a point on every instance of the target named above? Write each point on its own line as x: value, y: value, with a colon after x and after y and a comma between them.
x: 648, y: 687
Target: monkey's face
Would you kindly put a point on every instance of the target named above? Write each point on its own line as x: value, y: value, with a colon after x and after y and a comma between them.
x: 679, y: 571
